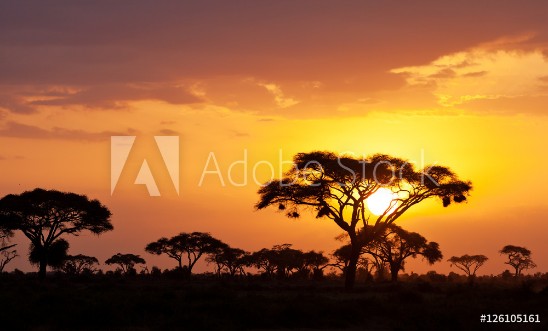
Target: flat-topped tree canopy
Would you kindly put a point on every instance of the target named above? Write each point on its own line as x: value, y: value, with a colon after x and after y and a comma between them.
x: 468, y: 263
x: 519, y: 258
x: 190, y: 246
x: 331, y: 184
x: 57, y: 212
x: 126, y: 262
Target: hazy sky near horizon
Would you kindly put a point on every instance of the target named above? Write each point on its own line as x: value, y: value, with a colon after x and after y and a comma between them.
x: 462, y: 84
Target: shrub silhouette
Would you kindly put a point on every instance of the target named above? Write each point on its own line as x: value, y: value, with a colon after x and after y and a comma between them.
x: 78, y: 264
x: 126, y: 262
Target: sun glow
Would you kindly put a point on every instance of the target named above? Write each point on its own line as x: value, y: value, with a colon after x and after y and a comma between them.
x: 379, y: 202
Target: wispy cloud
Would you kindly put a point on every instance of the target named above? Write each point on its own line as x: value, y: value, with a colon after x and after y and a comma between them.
x: 168, y: 132
x: 18, y: 130
x: 279, y: 97
x: 105, y: 96
x: 110, y: 96
x: 486, y: 72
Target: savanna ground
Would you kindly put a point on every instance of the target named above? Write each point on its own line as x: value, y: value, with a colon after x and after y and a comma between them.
x: 152, y: 303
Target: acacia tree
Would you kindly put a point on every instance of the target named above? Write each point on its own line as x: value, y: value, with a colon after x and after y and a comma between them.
x: 44, y: 216
x: 519, y: 258
x: 336, y: 187
x: 287, y: 260
x: 280, y: 260
x: 232, y: 260
x: 317, y: 262
x: 170, y: 247
x: 77, y: 264
x: 468, y: 263
x: 126, y: 262
x: 263, y: 260
x: 396, y: 245
x: 189, y: 246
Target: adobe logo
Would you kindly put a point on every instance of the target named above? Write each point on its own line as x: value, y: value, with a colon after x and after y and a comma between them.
x: 120, y: 148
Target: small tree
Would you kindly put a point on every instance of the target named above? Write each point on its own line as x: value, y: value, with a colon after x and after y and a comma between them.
x: 468, y: 263
x: 396, y: 245
x: 232, y: 260
x: 6, y: 252
x: 77, y: 264
x: 126, y: 262
x: 317, y: 262
x: 44, y: 216
x: 288, y: 260
x: 189, y: 246
x: 281, y: 260
x: 263, y: 260
x: 519, y: 258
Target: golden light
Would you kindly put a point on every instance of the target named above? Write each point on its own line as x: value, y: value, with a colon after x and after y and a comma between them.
x: 380, y: 201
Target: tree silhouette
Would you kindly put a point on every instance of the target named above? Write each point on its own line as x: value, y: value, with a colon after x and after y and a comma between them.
x: 6, y: 252
x: 229, y: 259
x: 275, y: 261
x: 317, y: 262
x: 336, y: 187
x: 44, y: 216
x: 341, y: 259
x: 468, y: 263
x: 126, y: 262
x: 396, y: 245
x: 519, y: 258
x: 264, y: 260
x: 286, y: 260
x: 189, y: 246
x: 77, y: 264
x: 170, y: 247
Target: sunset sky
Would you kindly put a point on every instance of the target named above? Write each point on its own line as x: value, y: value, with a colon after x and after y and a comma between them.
x: 462, y: 84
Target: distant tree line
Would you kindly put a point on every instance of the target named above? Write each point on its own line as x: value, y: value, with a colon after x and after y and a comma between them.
x: 46, y: 216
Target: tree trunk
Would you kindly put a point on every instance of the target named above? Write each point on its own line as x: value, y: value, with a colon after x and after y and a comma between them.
x: 471, y: 279
x: 43, y: 267
x: 350, y: 277
x: 394, y: 274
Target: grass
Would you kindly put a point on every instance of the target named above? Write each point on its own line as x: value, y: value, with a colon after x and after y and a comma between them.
x: 146, y: 303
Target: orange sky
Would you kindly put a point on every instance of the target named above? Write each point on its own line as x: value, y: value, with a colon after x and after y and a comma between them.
x: 463, y: 84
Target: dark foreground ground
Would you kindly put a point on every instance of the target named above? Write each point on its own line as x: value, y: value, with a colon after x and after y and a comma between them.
x: 172, y: 304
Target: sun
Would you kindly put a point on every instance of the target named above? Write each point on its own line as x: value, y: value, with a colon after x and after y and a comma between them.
x: 380, y: 201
